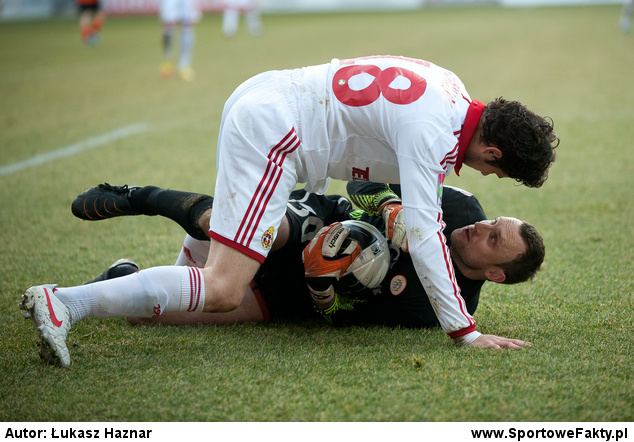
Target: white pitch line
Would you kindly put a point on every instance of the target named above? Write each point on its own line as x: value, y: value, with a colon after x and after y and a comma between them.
x: 75, y: 148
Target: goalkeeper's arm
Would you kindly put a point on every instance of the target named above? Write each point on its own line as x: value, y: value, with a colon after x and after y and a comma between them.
x: 381, y: 200
x: 371, y: 197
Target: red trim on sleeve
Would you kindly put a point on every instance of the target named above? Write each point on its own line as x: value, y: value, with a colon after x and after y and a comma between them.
x: 450, y: 272
x: 462, y: 331
x: 261, y: 301
x: 239, y: 247
x: 450, y: 158
x: 471, y: 121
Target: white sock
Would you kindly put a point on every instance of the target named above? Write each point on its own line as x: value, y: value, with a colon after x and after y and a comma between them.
x: 230, y: 21
x: 193, y: 253
x: 187, y: 46
x: 147, y: 293
x: 253, y: 22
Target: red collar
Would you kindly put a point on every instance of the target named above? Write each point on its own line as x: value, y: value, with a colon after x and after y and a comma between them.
x: 474, y: 113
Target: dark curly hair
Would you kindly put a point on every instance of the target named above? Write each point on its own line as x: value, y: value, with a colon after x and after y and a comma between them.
x: 527, y: 141
x: 525, y: 266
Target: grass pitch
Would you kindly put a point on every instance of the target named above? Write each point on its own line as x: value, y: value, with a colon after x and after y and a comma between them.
x: 572, y: 64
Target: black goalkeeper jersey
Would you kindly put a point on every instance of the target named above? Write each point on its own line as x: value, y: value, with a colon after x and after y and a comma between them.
x: 401, y: 301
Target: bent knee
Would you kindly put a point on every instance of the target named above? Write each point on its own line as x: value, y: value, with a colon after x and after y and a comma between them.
x: 223, y: 295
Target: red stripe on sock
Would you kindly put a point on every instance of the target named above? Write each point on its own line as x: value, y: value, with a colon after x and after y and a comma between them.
x: 198, y: 284
x: 191, y: 289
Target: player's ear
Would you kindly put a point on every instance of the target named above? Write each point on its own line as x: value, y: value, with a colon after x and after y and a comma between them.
x: 495, y: 274
x: 492, y: 153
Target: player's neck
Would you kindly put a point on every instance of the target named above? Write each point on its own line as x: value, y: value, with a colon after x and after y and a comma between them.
x: 467, y: 271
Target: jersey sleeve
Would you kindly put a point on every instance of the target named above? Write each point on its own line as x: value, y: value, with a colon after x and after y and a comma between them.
x: 422, y: 176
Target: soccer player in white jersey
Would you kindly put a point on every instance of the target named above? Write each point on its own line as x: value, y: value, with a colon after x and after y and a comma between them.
x: 381, y: 118
x: 174, y: 13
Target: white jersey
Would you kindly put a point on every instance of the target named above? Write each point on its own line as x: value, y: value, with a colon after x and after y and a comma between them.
x: 394, y: 120
x: 383, y: 119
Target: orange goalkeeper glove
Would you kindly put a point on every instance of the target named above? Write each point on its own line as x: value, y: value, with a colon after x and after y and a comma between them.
x: 394, y: 219
x: 325, y: 262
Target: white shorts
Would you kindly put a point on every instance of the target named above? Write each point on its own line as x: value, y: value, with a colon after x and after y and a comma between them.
x: 257, y: 160
x: 180, y: 11
x: 244, y: 5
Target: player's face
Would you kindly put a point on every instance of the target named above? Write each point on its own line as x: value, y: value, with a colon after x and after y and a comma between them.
x: 487, y: 244
x: 481, y: 157
x: 487, y: 169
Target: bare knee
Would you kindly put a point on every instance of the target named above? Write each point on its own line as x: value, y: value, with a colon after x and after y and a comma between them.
x: 228, y: 273
x: 222, y: 294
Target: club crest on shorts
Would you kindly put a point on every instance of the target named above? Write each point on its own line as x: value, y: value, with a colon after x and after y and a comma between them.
x: 267, y: 238
x: 398, y: 284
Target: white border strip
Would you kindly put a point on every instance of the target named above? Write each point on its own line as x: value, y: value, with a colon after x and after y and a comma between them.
x: 75, y: 148
x: 319, y: 432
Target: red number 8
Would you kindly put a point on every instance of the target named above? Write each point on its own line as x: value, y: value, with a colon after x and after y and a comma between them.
x: 380, y: 85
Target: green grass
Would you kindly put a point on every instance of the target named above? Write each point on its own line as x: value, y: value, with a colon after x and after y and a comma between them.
x: 570, y: 63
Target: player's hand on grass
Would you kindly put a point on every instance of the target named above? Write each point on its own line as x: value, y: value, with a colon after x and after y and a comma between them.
x: 498, y: 342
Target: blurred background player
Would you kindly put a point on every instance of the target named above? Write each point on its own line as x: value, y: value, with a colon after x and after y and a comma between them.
x: 625, y: 22
x: 175, y: 13
x: 91, y: 19
x: 231, y: 17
